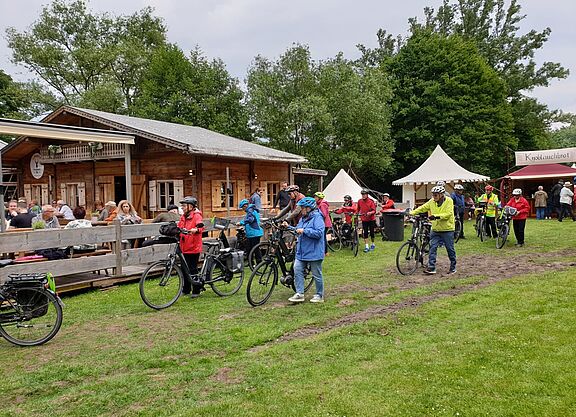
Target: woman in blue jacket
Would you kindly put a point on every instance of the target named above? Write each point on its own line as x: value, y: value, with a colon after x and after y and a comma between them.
x: 309, y: 250
x: 251, y: 225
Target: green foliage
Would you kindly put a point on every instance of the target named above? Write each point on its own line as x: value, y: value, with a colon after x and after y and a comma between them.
x: 38, y: 225
x: 10, y: 100
x: 331, y: 112
x: 447, y: 94
x: 192, y: 91
x: 564, y: 137
x: 78, y: 53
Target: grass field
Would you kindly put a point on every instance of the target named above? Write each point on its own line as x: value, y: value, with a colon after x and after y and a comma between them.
x: 497, y: 339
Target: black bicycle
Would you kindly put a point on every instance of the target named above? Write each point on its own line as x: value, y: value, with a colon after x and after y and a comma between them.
x: 457, y: 226
x: 264, y: 277
x: 30, y: 311
x: 162, y: 282
x: 415, y: 251
x: 334, y: 234
x: 264, y: 248
x: 503, y: 226
x: 480, y: 224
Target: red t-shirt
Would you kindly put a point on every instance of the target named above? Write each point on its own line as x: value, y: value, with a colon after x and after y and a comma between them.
x: 367, y: 209
x: 522, y: 206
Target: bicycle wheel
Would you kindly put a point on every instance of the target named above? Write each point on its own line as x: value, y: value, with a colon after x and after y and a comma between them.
x: 457, y: 230
x: 502, y: 236
x: 333, y: 240
x: 407, y: 258
x: 355, y: 244
x: 30, y: 317
x: 265, y: 249
x: 161, y: 284
x: 262, y: 282
x: 223, y: 281
x: 482, y: 229
x: 424, y: 253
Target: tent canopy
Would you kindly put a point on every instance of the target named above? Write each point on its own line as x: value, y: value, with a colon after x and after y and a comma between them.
x: 440, y: 167
x: 341, y: 185
x: 542, y: 171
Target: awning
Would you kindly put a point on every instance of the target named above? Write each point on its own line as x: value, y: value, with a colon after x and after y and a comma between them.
x: 542, y: 171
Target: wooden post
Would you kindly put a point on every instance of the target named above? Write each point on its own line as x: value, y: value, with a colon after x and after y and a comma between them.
x: 128, y: 172
x: 2, y: 213
x: 118, y: 246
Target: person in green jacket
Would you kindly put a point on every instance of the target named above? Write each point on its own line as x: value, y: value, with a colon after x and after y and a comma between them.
x: 441, y: 209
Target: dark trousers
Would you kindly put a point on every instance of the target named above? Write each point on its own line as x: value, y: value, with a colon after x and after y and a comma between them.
x: 368, y: 228
x: 519, y: 226
x: 491, y: 230
x: 250, y: 243
x: 460, y: 214
x: 565, y: 211
x: 192, y: 262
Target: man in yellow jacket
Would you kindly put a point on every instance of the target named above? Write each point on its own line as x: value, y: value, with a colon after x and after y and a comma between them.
x: 441, y: 209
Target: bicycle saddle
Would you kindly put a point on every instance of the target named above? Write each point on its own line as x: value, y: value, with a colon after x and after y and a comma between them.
x: 226, y: 250
x: 211, y: 244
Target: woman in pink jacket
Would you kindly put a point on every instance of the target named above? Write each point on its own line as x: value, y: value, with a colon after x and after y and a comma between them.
x: 519, y: 220
x: 324, y: 208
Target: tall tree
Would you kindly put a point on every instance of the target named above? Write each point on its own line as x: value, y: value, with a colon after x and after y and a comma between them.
x: 78, y: 53
x: 447, y: 94
x: 23, y: 100
x: 193, y: 91
x: 331, y: 112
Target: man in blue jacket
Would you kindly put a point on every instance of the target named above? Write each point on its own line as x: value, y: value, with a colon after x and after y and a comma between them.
x: 309, y: 250
x: 459, y: 205
x: 251, y: 225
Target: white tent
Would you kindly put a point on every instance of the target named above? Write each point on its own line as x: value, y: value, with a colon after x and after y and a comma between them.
x: 341, y: 185
x: 438, y: 167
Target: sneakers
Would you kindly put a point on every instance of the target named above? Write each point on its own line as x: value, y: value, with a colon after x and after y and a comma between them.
x: 194, y: 295
x: 429, y: 271
x: 317, y: 299
x: 520, y: 245
x: 452, y: 272
x: 366, y: 249
x: 373, y: 246
x: 297, y: 298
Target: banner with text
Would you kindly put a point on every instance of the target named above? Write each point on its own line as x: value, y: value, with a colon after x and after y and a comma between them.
x: 550, y: 156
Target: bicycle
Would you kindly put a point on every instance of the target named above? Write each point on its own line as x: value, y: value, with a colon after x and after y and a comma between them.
x: 30, y: 311
x: 457, y: 226
x: 162, y: 282
x: 349, y: 235
x: 264, y: 277
x: 415, y: 251
x: 503, y: 226
x: 480, y: 224
x: 334, y: 234
x: 383, y: 229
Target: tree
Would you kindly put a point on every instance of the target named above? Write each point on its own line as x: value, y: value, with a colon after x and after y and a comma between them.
x: 193, y: 91
x: 331, y: 112
x: 564, y: 137
x: 447, y: 94
x: 23, y: 100
x: 10, y: 101
x: 76, y: 52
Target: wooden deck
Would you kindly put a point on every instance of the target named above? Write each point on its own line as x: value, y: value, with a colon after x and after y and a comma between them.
x: 94, y: 280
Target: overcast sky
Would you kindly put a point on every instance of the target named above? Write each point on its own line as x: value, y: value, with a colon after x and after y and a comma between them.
x: 238, y: 30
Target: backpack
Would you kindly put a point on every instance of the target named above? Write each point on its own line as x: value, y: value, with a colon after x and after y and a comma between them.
x: 169, y: 229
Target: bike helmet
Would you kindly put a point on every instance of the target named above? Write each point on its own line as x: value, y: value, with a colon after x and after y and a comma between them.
x: 488, y: 188
x: 190, y: 200
x: 243, y: 202
x: 517, y: 191
x: 458, y: 187
x: 364, y: 191
x: 385, y: 195
x: 292, y: 188
x: 307, y: 202
x: 347, y: 198
x: 440, y: 183
x: 319, y: 194
x: 438, y: 189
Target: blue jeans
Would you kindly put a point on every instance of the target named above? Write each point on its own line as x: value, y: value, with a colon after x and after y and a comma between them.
x: 448, y: 239
x: 315, y: 270
x: 540, y: 213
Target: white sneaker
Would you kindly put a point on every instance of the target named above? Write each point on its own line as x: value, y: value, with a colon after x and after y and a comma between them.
x: 297, y: 298
x: 317, y: 299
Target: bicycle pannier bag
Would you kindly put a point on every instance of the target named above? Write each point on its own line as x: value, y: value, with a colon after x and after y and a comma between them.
x: 170, y: 229
x: 235, y: 261
x: 32, y: 302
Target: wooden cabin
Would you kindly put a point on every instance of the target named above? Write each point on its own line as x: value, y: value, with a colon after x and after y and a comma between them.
x: 166, y: 162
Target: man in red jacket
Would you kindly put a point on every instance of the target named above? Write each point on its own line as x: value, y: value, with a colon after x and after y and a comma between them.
x: 191, y: 243
x: 367, y: 211
x: 519, y: 220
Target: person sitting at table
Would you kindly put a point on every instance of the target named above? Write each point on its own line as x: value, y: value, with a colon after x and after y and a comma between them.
x: 126, y: 213
x: 12, y: 210
x: 79, y: 223
x: 109, y: 213
x: 47, y: 217
x: 24, y: 218
x: 64, y: 210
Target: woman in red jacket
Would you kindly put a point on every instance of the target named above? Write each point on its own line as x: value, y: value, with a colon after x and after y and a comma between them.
x: 191, y: 243
x: 519, y: 220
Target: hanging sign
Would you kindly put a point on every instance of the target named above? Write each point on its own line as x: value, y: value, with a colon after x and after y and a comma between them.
x: 550, y: 156
x: 36, y: 167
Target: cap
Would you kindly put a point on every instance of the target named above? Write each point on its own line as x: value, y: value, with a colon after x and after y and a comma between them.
x: 171, y: 207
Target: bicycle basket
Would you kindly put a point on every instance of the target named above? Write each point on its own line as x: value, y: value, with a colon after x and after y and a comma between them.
x: 221, y: 223
x: 169, y: 229
x: 510, y: 211
x: 235, y: 261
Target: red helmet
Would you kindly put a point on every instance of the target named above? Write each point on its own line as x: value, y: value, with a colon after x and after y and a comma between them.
x: 488, y: 188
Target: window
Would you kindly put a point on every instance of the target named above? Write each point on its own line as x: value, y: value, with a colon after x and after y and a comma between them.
x: 10, y: 183
x: 272, y: 189
x: 162, y: 193
x: 234, y: 193
x: 229, y: 192
x: 73, y: 193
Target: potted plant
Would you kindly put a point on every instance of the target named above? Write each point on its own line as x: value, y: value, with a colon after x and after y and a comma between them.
x: 54, y: 149
x: 38, y: 225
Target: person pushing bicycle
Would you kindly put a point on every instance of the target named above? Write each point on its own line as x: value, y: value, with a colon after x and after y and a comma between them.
x: 441, y: 209
x: 459, y: 205
x: 367, y: 212
x: 191, y: 242
x: 492, y: 203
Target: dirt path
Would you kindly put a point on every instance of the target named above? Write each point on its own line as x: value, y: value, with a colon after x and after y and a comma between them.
x: 490, y: 270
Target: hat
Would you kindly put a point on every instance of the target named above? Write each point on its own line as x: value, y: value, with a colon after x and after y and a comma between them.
x: 111, y: 203
x: 567, y: 184
x: 172, y: 207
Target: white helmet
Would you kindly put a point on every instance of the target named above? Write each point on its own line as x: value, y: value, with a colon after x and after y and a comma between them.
x: 441, y: 183
x: 438, y: 189
x: 458, y: 187
x: 517, y: 191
